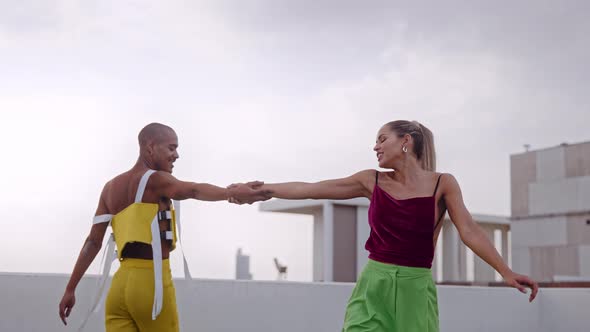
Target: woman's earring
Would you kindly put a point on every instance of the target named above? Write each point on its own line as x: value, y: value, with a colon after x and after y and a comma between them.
x: 404, y: 149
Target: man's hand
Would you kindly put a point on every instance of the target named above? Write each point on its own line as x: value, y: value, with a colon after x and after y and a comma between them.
x: 249, y: 193
x: 66, y: 305
x: 521, y: 282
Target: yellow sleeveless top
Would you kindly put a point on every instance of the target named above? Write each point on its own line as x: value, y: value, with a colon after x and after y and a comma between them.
x: 133, y: 224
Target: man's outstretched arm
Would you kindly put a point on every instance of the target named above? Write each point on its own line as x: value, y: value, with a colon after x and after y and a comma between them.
x: 167, y: 185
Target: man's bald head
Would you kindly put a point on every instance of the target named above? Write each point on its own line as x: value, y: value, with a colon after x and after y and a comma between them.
x: 158, y: 145
x: 154, y: 133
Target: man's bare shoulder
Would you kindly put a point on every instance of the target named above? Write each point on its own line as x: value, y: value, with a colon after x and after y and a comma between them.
x: 159, y: 185
x: 119, y: 183
x: 161, y: 180
x: 116, y: 180
x: 162, y: 177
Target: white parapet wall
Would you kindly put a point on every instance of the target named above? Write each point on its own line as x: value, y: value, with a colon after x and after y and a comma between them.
x: 29, y: 302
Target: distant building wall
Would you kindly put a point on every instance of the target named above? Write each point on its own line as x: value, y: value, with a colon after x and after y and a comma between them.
x: 551, y: 212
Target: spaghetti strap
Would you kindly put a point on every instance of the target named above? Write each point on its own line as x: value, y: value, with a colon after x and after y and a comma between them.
x: 444, y: 211
x: 376, y: 177
x: 437, y: 183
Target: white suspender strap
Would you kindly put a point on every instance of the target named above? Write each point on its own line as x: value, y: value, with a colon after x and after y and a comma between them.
x: 142, y: 185
x: 187, y: 273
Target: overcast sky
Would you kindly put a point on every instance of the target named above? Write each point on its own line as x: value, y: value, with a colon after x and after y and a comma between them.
x: 272, y: 91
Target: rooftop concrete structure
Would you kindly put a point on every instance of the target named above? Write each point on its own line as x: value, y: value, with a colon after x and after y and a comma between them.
x: 551, y: 212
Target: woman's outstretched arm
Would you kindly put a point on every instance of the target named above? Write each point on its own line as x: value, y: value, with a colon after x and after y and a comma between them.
x: 475, y: 238
x: 356, y: 185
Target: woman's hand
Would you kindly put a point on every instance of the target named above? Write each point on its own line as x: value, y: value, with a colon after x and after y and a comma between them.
x: 521, y: 282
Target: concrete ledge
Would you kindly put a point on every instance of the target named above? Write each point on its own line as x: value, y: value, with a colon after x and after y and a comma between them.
x: 29, y: 302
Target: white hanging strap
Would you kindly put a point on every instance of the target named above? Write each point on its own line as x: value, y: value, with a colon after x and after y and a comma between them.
x: 142, y: 185
x: 157, y: 259
x: 187, y: 273
x: 107, y: 260
x: 102, y: 218
x: 111, y: 255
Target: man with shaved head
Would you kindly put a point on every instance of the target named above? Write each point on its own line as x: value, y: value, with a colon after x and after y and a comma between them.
x: 137, y: 204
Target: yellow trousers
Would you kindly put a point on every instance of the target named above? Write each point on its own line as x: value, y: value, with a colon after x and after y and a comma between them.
x: 130, y: 299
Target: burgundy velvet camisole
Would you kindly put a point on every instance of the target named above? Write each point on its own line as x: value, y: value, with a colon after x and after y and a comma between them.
x: 402, y: 230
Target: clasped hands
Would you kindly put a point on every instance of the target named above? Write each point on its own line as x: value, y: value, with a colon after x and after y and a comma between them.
x: 248, y: 193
